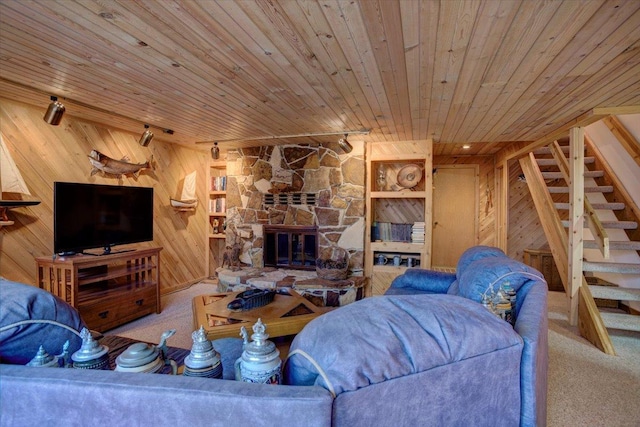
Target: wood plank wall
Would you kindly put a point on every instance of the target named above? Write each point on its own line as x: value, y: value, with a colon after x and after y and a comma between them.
x: 45, y: 153
x: 524, y: 229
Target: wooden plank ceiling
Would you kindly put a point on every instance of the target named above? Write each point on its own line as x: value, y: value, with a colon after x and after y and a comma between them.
x: 480, y: 72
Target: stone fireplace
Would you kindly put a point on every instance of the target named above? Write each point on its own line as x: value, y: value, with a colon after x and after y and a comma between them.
x: 311, y: 187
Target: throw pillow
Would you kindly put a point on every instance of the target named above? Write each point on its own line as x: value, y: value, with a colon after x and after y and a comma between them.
x: 20, y: 302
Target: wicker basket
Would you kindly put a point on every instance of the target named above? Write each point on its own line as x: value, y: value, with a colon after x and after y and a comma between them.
x: 335, y: 267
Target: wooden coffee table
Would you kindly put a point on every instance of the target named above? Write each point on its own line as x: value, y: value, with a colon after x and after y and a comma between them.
x: 286, y: 315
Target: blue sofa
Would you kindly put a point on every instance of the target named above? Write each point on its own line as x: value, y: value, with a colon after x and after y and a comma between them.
x: 403, y: 359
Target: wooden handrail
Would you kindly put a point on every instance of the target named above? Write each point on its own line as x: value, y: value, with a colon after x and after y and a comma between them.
x: 593, y: 222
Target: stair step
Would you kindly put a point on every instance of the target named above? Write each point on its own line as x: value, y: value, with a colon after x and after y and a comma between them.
x: 611, y: 267
x: 615, y: 292
x: 547, y: 150
x: 618, y: 225
x: 625, y: 322
x: 559, y: 175
x: 596, y: 189
x: 552, y: 161
x: 608, y: 206
x: 618, y: 245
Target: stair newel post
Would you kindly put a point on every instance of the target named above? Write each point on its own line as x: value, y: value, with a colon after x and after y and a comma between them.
x: 576, y: 215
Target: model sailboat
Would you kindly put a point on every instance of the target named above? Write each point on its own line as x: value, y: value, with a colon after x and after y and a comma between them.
x: 11, y: 185
x: 187, y: 201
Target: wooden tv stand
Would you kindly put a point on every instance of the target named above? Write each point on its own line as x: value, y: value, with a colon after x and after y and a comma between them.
x: 108, y: 290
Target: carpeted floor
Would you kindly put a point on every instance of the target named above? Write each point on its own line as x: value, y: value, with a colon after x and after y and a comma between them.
x: 586, y: 386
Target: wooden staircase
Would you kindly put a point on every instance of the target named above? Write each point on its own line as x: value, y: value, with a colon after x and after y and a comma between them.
x: 611, y: 218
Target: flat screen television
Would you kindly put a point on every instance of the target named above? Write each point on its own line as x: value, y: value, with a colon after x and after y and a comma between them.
x: 89, y: 216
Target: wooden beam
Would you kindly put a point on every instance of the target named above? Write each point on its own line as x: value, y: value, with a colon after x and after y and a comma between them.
x: 590, y: 322
x: 616, y: 111
x: 583, y: 120
x: 549, y: 218
x: 625, y: 137
x: 576, y: 216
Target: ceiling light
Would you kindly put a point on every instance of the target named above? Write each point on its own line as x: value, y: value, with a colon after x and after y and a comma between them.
x: 54, y: 113
x: 466, y: 146
x: 146, y: 136
x: 344, y: 144
x: 215, y: 151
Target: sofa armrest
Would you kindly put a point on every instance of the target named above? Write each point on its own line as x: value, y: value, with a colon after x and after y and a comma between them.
x: 421, y: 281
x: 532, y: 326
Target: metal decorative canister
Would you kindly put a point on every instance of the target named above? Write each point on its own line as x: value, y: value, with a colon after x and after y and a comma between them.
x: 147, y: 358
x: 204, y: 360
x: 91, y: 355
x: 260, y: 361
x: 42, y: 359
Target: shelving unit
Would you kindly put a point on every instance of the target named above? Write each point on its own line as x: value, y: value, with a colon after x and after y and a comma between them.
x: 390, y: 203
x: 107, y: 290
x: 216, y: 215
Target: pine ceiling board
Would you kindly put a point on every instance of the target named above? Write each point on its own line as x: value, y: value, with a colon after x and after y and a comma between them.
x: 419, y: 24
x: 141, y: 86
x: 121, y: 101
x: 577, y: 86
x: 382, y: 20
x: 296, y: 59
x: 483, y: 46
x: 275, y: 57
x: 455, y: 25
x: 580, y: 26
x: 310, y: 20
x: 350, y: 29
x: 329, y: 66
x: 617, y: 33
x: 525, y: 28
x: 214, y: 82
x: 585, y: 95
x: 534, y: 69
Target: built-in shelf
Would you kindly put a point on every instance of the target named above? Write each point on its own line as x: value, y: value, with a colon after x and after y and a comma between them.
x: 397, y: 207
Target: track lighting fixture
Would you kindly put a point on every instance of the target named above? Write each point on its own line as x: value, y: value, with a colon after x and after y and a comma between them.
x: 344, y: 144
x: 215, y: 151
x: 54, y: 113
x: 146, y: 136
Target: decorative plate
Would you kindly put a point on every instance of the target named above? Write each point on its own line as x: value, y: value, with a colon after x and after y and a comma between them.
x: 409, y: 176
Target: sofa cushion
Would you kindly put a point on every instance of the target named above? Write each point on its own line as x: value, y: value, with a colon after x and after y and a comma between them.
x: 383, y: 338
x: 20, y: 302
x: 492, y: 272
x: 421, y: 281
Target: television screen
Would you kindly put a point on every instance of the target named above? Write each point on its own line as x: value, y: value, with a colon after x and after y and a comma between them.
x: 87, y: 216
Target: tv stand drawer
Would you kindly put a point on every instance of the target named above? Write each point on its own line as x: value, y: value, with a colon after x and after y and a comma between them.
x: 118, y: 309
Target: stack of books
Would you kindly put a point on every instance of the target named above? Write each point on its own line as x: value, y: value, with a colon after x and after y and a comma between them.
x: 218, y: 205
x: 417, y: 232
x: 390, y: 232
x: 218, y: 183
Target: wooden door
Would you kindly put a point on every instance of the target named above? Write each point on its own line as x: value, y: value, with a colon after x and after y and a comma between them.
x: 455, y: 212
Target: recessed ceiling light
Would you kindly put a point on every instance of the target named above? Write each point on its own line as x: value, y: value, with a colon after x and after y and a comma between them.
x: 466, y: 146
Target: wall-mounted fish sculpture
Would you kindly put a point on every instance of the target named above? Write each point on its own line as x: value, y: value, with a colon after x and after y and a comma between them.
x: 107, y: 165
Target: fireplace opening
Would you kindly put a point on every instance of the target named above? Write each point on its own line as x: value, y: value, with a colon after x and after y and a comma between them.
x: 290, y: 246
